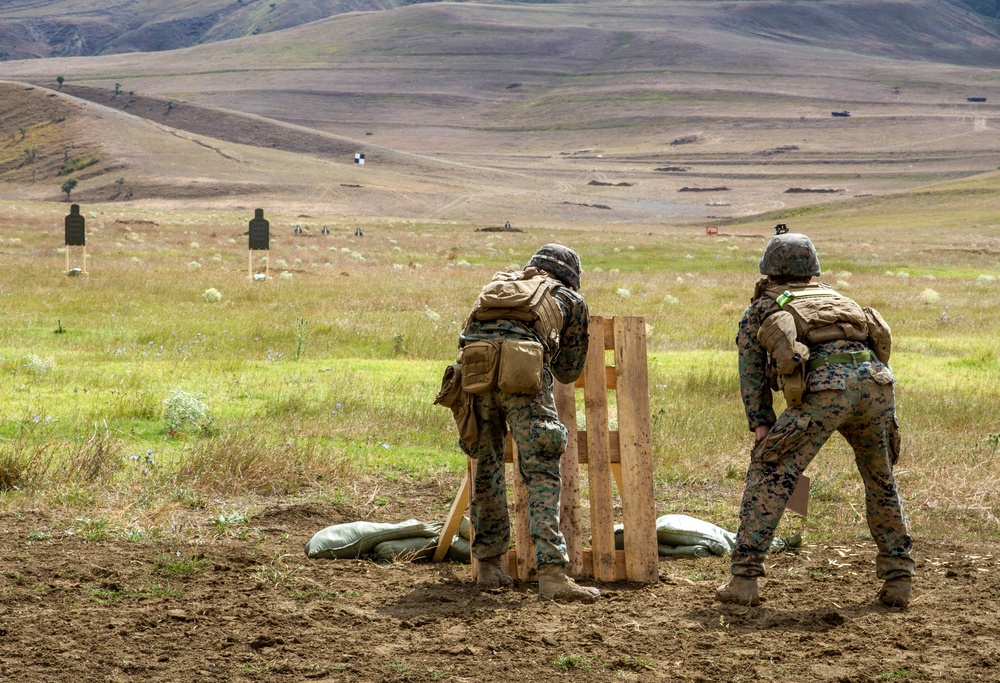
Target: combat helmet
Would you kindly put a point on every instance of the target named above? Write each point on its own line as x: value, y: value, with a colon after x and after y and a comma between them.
x: 790, y: 254
x: 561, y: 262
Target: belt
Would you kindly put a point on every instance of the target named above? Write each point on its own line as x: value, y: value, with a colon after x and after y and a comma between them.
x: 854, y: 357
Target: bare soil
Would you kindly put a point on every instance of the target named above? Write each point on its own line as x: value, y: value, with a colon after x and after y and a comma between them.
x: 257, y: 609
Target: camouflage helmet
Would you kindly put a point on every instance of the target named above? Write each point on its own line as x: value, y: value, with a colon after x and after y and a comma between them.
x: 790, y: 254
x: 561, y: 262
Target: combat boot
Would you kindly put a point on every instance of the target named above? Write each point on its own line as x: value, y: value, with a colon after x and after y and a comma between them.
x: 741, y: 590
x: 553, y: 584
x: 896, y: 592
x: 491, y: 575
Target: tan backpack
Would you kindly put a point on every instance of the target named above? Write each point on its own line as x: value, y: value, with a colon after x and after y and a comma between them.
x: 525, y: 296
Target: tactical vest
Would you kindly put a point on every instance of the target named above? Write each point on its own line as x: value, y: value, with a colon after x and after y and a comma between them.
x: 524, y: 296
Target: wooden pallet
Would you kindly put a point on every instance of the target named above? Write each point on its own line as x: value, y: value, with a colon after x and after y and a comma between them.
x: 625, y: 455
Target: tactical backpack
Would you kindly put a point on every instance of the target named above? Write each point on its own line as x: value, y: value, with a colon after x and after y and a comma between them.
x: 525, y: 296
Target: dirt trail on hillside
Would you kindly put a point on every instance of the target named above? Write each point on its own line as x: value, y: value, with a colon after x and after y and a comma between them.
x: 256, y: 609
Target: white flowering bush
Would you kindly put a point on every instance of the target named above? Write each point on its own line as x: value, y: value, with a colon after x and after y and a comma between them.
x: 212, y: 295
x: 40, y: 364
x: 185, y: 411
x: 929, y: 296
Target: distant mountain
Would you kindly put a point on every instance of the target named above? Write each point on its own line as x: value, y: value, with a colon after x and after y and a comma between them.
x: 989, y: 8
x: 74, y: 28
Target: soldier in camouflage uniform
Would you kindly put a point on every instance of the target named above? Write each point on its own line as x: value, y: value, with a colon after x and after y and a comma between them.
x: 540, y: 438
x: 846, y: 389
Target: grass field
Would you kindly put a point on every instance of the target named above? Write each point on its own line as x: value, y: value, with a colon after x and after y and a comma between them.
x: 324, y: 375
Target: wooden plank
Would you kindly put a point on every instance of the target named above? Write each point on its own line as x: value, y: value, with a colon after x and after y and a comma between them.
x: 588, y: 561
x: 570, y: 521
x: 453, y: 520
x: 638, y: 505
x: 522, y: 531
x: 470, y: 473
x: 602, y: 518
x: 614, y: 448
x: 610, y: 379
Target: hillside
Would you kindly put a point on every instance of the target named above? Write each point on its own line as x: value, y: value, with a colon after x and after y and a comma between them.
x: 624, y: 112
x: 65, y: 28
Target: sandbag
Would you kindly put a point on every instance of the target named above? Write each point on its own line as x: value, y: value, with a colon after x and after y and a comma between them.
x: 412, y: 549
x: 685, y: 536
x: 356, y: 539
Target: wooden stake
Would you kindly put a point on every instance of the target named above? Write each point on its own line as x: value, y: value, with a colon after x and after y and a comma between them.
x: 454, y: 519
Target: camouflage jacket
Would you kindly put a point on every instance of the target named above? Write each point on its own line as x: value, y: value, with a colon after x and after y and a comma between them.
x: 755, y: 388
x: 574, y: 338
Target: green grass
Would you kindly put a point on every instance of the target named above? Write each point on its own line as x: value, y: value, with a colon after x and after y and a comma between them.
x: 300, y: 408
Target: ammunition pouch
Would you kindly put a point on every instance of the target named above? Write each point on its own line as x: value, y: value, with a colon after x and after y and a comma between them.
x: 479, y: 361
x: 522, y: 363
x: 788, y: 355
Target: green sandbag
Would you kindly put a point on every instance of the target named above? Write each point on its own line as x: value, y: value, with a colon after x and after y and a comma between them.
x: 691, y: 537
x: 412, y: 549
x: 357, y: 539
x: 460, y: 550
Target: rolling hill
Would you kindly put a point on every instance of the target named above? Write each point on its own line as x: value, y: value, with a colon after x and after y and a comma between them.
x: 623, y: 112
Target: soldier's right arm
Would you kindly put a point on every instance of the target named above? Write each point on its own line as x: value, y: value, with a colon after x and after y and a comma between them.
x: 754, y: 388
x: 574, y: 338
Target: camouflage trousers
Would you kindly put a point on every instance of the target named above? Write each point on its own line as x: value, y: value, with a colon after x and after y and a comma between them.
x: 864, y: 413
x: 541, y: 440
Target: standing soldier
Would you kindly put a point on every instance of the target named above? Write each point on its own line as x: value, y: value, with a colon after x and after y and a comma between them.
x: 525, y: 327
x: 830, y: 359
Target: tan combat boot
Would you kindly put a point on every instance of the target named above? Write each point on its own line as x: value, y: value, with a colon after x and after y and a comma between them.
x: 553, y: 584
x: 491, y: 575
x: 741, y: 590
x: 896, y: 592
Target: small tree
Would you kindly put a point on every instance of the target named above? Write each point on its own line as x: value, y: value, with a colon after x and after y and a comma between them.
x: 60, y: 80
x: 69, y: 186
x: 118, y: 88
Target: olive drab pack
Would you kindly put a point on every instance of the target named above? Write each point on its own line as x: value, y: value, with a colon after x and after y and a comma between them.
x: 810, y: 314
x: 525, y: 296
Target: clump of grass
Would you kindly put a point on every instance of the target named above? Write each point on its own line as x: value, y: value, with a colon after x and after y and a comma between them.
x: 247, y: 461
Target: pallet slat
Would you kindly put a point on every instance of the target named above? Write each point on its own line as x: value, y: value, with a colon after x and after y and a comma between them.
x: 570, y: 521
x: 638, y: 507
x: 602, y: 517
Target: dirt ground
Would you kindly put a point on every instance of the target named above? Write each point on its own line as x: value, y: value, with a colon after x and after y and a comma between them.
x: 254, y: 608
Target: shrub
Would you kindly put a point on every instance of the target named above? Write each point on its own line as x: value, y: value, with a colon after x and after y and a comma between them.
x: 185, y: 411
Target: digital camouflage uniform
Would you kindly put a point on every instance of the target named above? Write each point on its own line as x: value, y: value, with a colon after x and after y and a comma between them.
x: 535, y: 428
x: 854, y: 399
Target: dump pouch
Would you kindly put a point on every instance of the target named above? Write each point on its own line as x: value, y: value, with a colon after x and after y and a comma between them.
x: 451, y: 387
x: 522, y: 363
x: 479, y: 360
x: 879, y: 335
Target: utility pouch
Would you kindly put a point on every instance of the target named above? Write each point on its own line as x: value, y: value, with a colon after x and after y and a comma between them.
x: 879, y: 334
x: 522, y: 363
x: 479, y: 362
x: 793, y: 385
